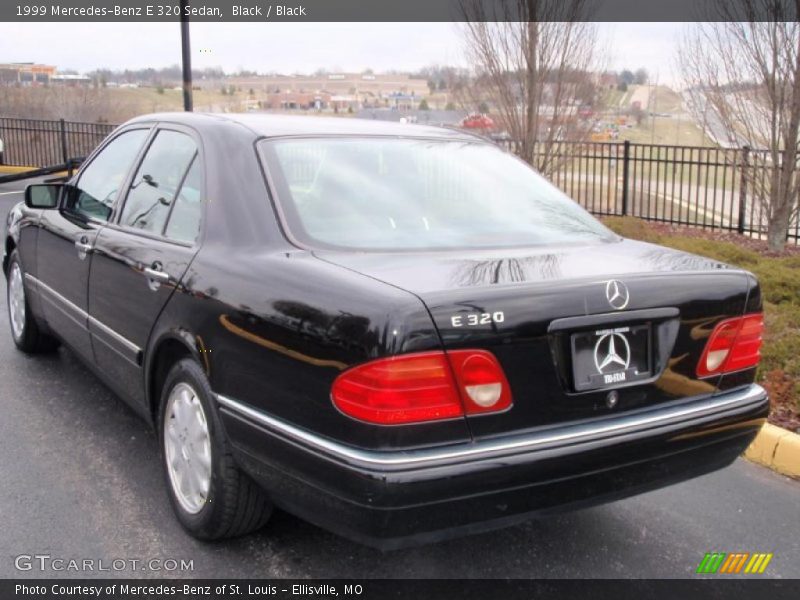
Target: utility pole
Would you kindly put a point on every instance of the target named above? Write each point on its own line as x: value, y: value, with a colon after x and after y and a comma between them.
x: 186, y: 55
x: 652, y: 100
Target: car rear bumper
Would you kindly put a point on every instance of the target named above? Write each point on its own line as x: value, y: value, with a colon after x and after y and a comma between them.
x: 394, y: 498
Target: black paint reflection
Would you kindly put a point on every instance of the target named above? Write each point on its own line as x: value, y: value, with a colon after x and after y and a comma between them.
x: 664, y: 259
x: 507, y: 270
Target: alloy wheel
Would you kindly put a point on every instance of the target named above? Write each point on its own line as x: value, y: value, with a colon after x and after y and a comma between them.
x: 187, y: 446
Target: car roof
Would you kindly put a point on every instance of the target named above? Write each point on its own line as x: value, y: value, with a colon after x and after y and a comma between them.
x: 272, y: 125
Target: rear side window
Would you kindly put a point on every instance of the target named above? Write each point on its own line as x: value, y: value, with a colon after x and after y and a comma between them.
x: 184, y: 221
x: 158, y: 182
x: 101, y: 179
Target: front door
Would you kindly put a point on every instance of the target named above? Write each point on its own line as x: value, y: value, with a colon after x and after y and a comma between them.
x: 67, y: 237
x: 140, y: 258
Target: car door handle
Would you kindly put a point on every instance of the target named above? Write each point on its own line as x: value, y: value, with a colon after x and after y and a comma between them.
x: 156, y: 275
x: 83, y: 247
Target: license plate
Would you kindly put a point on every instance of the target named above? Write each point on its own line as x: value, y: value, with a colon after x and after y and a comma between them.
x: 610, y: 357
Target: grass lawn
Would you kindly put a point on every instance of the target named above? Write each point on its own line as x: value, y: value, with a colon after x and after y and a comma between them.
x: 680, y: 130
x: 779, y: 276
x: 665, y: 99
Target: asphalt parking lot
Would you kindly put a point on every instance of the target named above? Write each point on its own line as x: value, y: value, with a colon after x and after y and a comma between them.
x: 80, y: 479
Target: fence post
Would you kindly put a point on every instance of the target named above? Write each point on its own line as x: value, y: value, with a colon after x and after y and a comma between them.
x: 63, y: 131
x: 626, y: 154
x: 745, y: 164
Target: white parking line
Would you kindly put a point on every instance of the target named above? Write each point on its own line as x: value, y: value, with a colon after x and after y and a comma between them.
x: 7, y: 193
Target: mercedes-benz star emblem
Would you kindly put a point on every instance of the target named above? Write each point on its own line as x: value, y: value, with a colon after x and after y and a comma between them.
x: 617, y: 294
x: 612, y: 353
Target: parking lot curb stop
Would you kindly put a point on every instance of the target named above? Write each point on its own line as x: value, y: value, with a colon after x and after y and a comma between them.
x: 776, y: 448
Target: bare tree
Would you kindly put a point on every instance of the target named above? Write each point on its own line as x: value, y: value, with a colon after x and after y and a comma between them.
x: 745, y: 69
x: 533, y: 62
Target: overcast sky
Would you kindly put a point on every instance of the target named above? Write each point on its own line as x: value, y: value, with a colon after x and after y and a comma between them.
x: 297, y: 47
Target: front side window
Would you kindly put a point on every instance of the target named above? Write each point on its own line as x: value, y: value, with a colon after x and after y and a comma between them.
x: 100, y: 180
x: 388, y: 193
x: 158, y: 181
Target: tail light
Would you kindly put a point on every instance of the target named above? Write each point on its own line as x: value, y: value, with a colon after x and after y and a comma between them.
x: 425, y: 386
x: 481, y: 381
x: 735, y: 344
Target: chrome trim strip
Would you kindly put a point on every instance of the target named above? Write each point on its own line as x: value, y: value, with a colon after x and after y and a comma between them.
x: 84, y: 315
x: 40, y: 285
x: 129, y: 345
x: 571, y: 434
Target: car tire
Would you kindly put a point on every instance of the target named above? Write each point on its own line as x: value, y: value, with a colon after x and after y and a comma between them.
x: 25, y: 331
x: 211, y: 496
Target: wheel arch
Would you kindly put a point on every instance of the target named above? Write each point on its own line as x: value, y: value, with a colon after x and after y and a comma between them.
x: 166, y: 350
x: 10, y: 245
x: 13, y: 219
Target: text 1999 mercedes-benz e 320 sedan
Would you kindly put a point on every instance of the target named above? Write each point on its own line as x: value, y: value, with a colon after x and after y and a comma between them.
x: 395, y: 332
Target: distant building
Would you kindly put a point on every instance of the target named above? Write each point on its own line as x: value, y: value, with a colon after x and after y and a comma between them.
x: 70, y: 80
x: 345, y: 102
x: 289, y: 100
x: 606, y: 80
x: 26, y: 73
x: 446, y: 118
x: 350, y: 90
x: 403, y: 101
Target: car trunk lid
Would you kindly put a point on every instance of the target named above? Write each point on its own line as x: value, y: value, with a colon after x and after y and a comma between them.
x: 543, y: 313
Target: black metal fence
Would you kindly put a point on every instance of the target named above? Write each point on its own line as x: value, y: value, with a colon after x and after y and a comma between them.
x: 38, y: 143
x: 717, y: 188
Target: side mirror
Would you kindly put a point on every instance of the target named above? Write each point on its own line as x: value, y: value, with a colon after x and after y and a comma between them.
x: 42, y: 195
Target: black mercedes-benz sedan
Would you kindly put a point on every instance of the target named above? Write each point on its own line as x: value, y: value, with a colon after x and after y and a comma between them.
x: 393, y: 331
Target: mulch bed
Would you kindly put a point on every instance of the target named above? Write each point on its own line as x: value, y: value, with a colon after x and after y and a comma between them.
x: 742, y: 241
x: 784, y: 416
x: 783, y: 406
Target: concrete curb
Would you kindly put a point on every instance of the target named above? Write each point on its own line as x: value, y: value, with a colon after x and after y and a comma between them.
x: 776, y: 448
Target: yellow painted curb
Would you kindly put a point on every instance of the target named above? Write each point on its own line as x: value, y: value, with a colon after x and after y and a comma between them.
x: 8, y: 169
x: 787, y: 455
x: 763, y: 447
x: 777, y: 449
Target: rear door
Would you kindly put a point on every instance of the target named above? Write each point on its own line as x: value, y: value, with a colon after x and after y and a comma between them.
x: 67, y: 236
x: 140, y: 258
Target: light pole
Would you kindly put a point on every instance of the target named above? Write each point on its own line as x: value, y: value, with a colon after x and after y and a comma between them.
x: 186, y: 55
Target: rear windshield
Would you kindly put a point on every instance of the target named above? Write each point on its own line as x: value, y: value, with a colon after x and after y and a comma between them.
x: 407, y: 194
